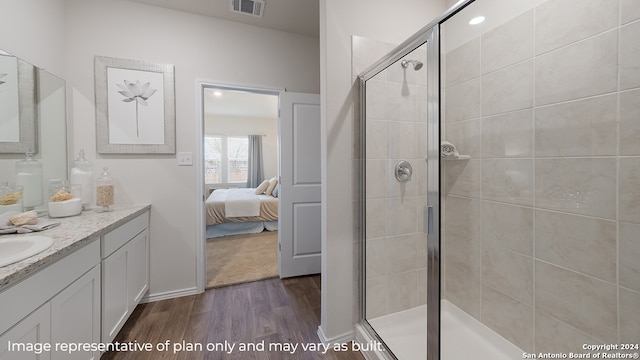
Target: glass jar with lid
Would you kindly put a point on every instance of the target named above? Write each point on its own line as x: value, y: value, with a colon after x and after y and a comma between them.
x: 104, y: 191
x: 29, y: 176
x: 10, y: 198
x: 82, y: 174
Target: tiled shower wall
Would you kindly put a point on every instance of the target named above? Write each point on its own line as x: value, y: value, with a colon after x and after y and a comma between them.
x: 542, y: 225
x: 396, y: 260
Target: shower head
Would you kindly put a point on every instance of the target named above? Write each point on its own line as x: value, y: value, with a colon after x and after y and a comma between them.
x: 417, y: 65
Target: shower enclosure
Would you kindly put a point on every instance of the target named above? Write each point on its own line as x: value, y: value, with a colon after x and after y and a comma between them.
x: 527, y: 242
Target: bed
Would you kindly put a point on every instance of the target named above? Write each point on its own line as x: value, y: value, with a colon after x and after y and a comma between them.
x: 240, y: 211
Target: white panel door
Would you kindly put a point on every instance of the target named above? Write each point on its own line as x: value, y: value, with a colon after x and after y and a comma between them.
x: 299, y: 209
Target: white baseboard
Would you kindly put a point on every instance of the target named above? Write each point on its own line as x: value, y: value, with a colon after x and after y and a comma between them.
x: 170, y: 295
x: 344, y: 338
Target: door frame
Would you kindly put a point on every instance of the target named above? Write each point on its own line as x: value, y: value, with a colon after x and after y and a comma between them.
x: 198, y: 159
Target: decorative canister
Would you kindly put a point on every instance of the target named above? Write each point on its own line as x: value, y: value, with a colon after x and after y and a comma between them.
x: 29, y: 176
x: 82, y: 174
x: 65, y: 199
x: 104, y: 191
x: 10, y: 198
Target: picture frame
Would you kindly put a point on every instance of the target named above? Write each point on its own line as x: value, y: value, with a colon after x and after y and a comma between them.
x: 135, y: 107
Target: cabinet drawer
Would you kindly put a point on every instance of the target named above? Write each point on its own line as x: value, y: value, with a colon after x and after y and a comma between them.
x: 120, y: 236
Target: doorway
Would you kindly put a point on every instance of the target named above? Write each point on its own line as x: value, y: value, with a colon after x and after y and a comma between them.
x: 239, y: 153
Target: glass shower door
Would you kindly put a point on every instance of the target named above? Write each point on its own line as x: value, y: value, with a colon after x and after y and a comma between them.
x: 400, y: 198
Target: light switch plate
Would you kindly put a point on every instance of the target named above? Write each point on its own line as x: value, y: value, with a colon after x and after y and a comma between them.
x: 185, y: 158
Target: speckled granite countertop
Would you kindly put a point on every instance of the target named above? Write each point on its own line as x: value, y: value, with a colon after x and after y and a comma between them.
x: 72, y: 233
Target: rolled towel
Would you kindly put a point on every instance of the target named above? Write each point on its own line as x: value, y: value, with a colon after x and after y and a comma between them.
x: 448, y: 149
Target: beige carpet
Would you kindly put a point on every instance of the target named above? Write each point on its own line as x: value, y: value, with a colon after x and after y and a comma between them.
x: 242, y: 258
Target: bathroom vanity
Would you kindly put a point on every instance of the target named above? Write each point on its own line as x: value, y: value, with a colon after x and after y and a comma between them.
x: 79, y: 291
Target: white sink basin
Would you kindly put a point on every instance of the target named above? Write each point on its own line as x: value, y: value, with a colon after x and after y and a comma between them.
x: 16, y: 248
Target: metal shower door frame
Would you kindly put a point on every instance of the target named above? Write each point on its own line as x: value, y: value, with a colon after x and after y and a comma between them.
x: 430, y: 37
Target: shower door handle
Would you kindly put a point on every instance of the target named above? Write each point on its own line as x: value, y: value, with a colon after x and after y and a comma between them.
x: 427, y: 226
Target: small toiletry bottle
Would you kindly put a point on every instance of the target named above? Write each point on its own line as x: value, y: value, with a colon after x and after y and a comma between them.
x: 82, y: 174
x: 29, y: 176
x: 10, y: 198
x: 104, y: 191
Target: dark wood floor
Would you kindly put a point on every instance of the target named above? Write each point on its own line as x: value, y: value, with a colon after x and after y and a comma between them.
x: 269, y: 312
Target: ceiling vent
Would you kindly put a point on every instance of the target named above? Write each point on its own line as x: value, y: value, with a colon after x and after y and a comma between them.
x: 248, y: 7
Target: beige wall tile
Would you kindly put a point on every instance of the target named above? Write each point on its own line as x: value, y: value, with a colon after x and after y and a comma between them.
x: 508, y: 272
x: 378, y: 258
x: 376, y: 179
x: 376, y: 106
x: 555, y: 336
x: 630, y: 56
x: 629, y: 188
x: 580, y: 186
x: 466, y: 136
x: 630, y: 10
x: 376, y: 297
x: 629, y: 316
x: 402, y: 291
x: 508, y: 135
x: 376, y: 218
x: 463, y: 177
x: 508, y: 317
x: 583, y: 69
x: 396, y: 188
x: 508, y: 44
x: 583, y: 244
x: 508, y: 89
x: 508, y: 227
x: 562, y: 22
x: 402, y: 253
x: 462, y: 101
x: 508, y: 180
x: 580, y: 128
x: 630, y: 123
x: 401, y: 215
x: 629, y: 254
x: 463, y: 63
x: 376, y: 133
x: 405, y: 102
x: 402, y: 142
x: 462, y: 253
x: 422, y: 286
x: 581, y: 301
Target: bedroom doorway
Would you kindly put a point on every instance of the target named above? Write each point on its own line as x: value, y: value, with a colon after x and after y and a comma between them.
x: 240, y: 171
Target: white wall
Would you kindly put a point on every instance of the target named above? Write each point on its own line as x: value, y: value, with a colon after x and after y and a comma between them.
x: 235, y: 125
x: 387, y: 21
x: 200, y: 48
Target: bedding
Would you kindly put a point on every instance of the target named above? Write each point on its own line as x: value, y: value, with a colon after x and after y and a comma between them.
x: 219, y: 199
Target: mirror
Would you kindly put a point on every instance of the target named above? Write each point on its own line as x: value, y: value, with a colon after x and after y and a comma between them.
x: 17, y: 105
x: 49, y: 125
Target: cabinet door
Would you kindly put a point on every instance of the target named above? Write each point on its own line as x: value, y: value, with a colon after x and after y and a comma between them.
x: 115, y: 307
x: 75, y: 316
x: 138, y: 268
x: 34, y: 329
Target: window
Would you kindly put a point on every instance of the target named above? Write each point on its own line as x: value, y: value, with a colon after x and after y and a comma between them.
x: 226, y: 159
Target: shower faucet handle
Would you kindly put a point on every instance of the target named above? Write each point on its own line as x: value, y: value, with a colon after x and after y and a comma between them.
x: 403, y: 171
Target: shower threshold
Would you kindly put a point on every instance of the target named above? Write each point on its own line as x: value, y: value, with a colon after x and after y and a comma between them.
x: 462, y: 336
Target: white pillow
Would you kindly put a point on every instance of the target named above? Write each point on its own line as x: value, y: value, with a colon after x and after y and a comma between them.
x: 262, y: 187
x: 272, y: 185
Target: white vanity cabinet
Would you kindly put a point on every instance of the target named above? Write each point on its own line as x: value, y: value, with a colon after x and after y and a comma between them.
x: 58, y: 304
x: 125, y: 273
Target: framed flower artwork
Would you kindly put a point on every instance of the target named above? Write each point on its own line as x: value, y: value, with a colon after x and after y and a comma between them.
x: 135, y: 107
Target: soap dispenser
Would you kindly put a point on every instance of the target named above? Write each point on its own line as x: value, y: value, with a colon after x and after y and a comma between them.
x: 104, y: 191
x: 82, y: 174
x: 29, y: 176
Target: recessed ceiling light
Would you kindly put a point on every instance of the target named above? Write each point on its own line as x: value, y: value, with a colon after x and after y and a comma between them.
x: 476, y: 20
x: 217, y: 93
